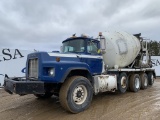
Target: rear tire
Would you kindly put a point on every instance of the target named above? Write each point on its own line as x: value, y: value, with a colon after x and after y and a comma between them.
x: 129, y: 76
x: 76, y: 94
x: 122, y: 82
x: 144, y: 81
x: 135, y: 83
x: 46, y: 95
x: 150, y: 78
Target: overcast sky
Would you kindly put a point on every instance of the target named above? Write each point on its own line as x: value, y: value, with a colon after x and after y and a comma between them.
x: 44, y: 24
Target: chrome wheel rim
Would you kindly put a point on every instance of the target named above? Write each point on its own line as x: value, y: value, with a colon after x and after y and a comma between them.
x: 137, y: 83
x: 152, y: 78
x: 145, y: 81
x: 123, y: 82
x: 80, y: 94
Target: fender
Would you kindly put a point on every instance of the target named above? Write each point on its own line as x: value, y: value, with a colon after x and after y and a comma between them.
x: 71, y: 69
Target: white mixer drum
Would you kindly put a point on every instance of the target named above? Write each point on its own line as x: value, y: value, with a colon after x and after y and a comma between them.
x: 121, y: 49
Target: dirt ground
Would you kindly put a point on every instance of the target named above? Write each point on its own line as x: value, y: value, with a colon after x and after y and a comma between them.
x: 143, y: 105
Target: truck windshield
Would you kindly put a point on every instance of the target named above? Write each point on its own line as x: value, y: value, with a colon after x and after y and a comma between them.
x: 75, y: 46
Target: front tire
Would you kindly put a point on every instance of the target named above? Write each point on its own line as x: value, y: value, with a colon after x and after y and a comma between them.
x: 76, y: 94
x: 135, y: 83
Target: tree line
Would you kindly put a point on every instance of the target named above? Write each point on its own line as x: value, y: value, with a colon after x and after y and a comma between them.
x: 154, y: 48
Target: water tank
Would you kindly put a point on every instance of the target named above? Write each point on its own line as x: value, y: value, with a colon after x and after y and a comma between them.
x: 120, y: 49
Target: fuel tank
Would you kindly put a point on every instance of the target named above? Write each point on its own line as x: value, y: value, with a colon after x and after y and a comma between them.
x: 119, y: 49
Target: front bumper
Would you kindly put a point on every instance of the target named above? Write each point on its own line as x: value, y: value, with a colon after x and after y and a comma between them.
x: 23, y: 86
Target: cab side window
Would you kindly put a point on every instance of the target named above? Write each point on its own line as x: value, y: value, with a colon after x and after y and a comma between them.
x: 92, y: 47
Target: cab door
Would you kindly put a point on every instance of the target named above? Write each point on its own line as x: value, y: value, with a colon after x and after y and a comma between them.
x: 93, y: 57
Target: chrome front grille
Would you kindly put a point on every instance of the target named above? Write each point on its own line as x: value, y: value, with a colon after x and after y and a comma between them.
x: 33, y: 68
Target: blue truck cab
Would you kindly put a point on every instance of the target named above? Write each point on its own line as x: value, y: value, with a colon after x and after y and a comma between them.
x: 67, y: 74
x: 79, y: 56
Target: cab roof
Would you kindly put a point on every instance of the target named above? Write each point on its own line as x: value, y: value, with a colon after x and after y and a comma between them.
x: 81, y: 37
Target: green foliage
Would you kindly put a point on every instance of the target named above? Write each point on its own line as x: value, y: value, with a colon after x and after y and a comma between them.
x: 154, y: 48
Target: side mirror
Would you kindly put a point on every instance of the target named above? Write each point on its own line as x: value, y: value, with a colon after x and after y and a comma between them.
x: 103, y: 44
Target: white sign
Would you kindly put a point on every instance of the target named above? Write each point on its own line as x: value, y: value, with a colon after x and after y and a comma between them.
x: 156, y: 64
x: 12, y: 63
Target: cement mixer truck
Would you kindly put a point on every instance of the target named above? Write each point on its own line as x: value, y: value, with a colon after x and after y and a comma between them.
x: 115, y: 62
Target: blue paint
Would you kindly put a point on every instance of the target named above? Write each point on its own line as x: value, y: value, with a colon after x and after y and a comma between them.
x: 23, y: 70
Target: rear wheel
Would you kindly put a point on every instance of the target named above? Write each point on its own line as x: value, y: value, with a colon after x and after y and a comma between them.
x: 150, y: 78
x: 76, y: 94
x: 144, y: 81
x: 129, y: 76
x: 135, y: 83
x: 122, y: 82
x: 46, y: 95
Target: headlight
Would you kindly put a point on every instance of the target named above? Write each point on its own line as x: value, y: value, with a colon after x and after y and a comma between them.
x: 51, y: 72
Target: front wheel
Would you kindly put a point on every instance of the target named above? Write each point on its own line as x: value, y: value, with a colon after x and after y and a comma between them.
x: 76, y: 94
